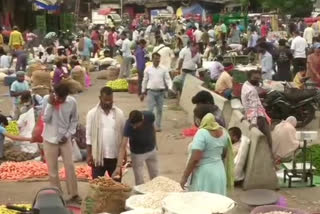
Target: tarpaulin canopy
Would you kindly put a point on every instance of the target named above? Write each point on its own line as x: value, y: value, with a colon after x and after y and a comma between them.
x: 43, y: 5
x: 194, y: 9
x: 105, y: 11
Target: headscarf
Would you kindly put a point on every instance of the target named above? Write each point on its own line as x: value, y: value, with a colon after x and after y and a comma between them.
x: 292, y: 120
x: 209, y: 123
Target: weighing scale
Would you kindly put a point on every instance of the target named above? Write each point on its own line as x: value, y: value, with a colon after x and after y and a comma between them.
x: 304, y: 170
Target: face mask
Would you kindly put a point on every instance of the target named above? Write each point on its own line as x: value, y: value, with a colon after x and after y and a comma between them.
x: 254, y: 82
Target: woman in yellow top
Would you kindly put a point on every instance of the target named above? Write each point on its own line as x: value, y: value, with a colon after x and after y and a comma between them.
x: 16, y: 41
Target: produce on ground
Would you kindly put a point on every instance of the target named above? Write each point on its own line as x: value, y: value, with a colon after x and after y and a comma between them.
x: 143, y: 211
x: 118, y: 85
x: 105, y: 195
x: 82, y: 172
x: 12, y: 152
x: 315, y: 151
x: 147, y: 201
x: 108, y: 183
x: 159, y: 184
x: 13, y: 128
x: 16, y: 171
x: 197, y: 202
x: 4, y: 210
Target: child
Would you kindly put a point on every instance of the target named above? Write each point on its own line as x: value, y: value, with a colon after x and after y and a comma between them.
x: 300, y: 79
x: 4, y: 133
x: 240, y: 146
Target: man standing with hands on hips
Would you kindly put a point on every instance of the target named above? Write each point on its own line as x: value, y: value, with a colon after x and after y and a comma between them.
x: 155, y: 81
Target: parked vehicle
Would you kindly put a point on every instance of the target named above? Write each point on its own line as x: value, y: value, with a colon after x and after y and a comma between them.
x: 47, y: 201
x: 301, y: 104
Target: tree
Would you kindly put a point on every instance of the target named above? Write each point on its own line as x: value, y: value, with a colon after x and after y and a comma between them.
x: 298, y: 8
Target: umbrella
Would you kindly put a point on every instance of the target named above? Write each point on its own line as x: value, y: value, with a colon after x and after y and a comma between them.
x: 105, y: 11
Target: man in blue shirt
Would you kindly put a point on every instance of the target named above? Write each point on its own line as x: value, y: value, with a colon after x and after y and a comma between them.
x: 141, y: 61
x: 140, y: 132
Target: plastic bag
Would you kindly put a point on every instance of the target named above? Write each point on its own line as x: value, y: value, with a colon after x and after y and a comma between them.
x: 76, y: 154
x: 26, y: 124
x: 38, y: 129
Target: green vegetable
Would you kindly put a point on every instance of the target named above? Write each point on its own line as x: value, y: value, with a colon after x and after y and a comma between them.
x: 118, y: 85
x: 315, y: 151
x: 13, y: 128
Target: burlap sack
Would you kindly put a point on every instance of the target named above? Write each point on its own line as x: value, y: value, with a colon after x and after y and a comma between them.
x: 79, y: 76
x: 101, y: 200
x: 74, y: 86
x: 35, y: 67
x: 41, y: 77
x: 41, y: 90
x: 2, y: 76
x: 88, y: 66
x: 112, y: 73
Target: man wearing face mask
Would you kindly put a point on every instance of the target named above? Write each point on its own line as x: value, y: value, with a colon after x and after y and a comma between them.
x: 254, y: 110
x: 139, y: 131
x: 104, y: 131
x: 60, y: 116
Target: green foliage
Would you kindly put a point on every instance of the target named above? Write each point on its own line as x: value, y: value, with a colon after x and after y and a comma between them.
x: 315, y: 151
x: 293, y: 7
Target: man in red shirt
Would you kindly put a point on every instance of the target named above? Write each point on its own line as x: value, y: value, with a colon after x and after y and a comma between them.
x: 95, y: 37
x: 112, y: 41
x: 264, y: 30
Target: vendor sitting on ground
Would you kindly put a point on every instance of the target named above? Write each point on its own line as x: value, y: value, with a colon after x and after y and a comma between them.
x: 224, y: 84
x: 300, y: 79
x: 216, y: 68
x: 240, y: 144
x: 284, y: 140
x: 4, y: 133
x: 205, y: 98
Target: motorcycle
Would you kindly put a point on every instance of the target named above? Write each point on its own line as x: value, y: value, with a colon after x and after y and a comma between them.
x: 301, y: 104
x: 47, y: 201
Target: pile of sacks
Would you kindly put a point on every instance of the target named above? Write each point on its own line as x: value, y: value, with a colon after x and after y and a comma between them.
x: 40, y: 79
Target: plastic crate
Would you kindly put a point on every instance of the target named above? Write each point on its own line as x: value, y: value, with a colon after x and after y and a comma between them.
x: 8, y: 80
x: 239, y: 76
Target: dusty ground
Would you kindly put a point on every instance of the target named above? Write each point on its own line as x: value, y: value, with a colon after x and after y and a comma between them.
x: 172, y: 152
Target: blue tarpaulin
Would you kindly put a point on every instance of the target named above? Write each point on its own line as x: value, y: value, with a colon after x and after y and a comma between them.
x: 47, y: 7
x: 194, y: 9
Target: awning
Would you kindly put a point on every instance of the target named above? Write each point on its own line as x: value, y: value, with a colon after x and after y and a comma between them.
x: 45, y: 6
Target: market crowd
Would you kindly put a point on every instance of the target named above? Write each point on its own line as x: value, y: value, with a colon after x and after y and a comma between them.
x: 164, y: 52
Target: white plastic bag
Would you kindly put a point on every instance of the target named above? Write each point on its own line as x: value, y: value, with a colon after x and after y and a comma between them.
x: 26, y: 124
x: 76, y: 154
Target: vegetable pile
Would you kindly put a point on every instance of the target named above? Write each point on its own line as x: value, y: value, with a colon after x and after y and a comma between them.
x: 118, y: 85
x: 82, y: 172
x: 13, y: 128
x: 4, y: 210
x: 17, y: 171
x: 108, y: 183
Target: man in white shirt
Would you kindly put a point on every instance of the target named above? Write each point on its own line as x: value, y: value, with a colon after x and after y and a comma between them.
x: 308, y: 35
x: 155, y: 80
x: 166, y: 54
x: 266, y: 65
x: 127, y: 57
x: 189, y: 61
x: 298, y: 48
x: 198, y: 39
x: 135, y: 35
x: 104, y: 132
x: 211, y: 35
